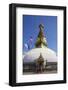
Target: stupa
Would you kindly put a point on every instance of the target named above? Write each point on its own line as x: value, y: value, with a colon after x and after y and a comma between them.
x: 41, y: 57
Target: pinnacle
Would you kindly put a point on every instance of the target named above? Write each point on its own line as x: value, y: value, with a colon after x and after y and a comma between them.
x: 41, y: 41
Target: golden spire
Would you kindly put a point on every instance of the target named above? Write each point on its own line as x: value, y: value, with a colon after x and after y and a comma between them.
x: 41, y: 40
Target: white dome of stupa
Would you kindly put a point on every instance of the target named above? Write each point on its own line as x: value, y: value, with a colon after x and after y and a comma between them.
x: 46, y: 53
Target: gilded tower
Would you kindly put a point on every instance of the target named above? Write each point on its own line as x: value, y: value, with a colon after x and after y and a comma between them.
x: 41, y: 40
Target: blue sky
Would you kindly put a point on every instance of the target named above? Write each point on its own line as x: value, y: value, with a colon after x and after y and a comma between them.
x: 31, y: 29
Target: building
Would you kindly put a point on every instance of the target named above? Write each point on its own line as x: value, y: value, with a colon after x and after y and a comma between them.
x: 41, y: 58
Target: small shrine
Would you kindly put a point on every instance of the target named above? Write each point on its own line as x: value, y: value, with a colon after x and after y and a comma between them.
x: 40, y: 64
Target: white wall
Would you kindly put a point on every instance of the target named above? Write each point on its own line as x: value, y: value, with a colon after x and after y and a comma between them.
x: 4, y: 44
